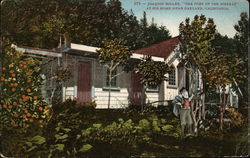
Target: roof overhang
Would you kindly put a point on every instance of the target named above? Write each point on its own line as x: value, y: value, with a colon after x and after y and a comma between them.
x: 40, y: 52
x: 84, y: 48
x: 140, y: 56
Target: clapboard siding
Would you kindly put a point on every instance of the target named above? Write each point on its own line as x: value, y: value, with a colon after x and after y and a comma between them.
x: 170, y: 93
x: 152, y: 97
x: 118, y: 99
x: 69, y: 92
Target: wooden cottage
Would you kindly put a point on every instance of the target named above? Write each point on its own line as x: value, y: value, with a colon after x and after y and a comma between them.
x: 88, y: 78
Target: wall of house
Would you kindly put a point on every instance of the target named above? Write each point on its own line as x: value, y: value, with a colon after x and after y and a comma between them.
x: 171, y: 91
x: 119, y: 94
x: 152, y: 97
x: 71, y: 62
x: 49, y: 85
x: 99, y: 91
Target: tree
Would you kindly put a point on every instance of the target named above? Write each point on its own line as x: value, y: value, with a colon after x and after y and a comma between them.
x: 242, y: 35
x: 56, y: 76
x: 148, y: 34
x: 21, y: 101
x: 42, y: 23
x: 197, y: 51
x: 218, y: 67
x: 223, y: 71
x: 242, y: 44
x: 114, y: 54
x: 224, y: 44
x: 152, y: 72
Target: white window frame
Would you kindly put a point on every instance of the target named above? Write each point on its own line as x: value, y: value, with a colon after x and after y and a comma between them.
x: 150, y: 89
x: 176, y: 79
x: 105, y: 77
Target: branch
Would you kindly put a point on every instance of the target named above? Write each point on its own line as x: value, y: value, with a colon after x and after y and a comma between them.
x: 117, y: 75
x: 238, y: 87
x: 111, y: 64
x: 117, y: 64
x: 189, y: 69
x: 106, y: 66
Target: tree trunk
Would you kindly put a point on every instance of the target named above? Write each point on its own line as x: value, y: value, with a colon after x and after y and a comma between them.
x: 222, y: 109
x: 193, y: 117
x: 221, y: 119
x: 110, y: 75
x: 203, y: 114
x: 143, y: 96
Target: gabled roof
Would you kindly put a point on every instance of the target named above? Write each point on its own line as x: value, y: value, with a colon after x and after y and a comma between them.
x: 162, y: 49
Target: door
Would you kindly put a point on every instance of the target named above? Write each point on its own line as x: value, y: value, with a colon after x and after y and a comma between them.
x: 84, y: 82
x: 136, y: 88
x: 181, y: 77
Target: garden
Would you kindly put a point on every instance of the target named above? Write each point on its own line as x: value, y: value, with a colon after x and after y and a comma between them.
x: 80, y: 130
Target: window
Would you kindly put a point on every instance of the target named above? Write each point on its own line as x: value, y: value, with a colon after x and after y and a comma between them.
x: 152, y: 88
x: 172, y: 77
x: 113, y: 81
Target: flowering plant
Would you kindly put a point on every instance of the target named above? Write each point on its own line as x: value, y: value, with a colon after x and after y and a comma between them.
x: 21, y: 101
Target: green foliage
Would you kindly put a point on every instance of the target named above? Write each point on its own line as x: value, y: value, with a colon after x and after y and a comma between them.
x: 148, y: 34
x: 72, y: 105
x: 42, y: 23
x: 224, y: 44
x: 109, y: 138
x: 236, y: 118
x: 242, y: 44
x: 37, y: 140
x: 144, y: 124
x: 167, y: 128
x: 121, y: 131
x: 198, y: 48
x: 242, y: 35
x: 74, y: 126
x: 224, y: 69
x: 114, y: 51
x: 85, y: 148
x: 196, y: 37
x: 153, y: 72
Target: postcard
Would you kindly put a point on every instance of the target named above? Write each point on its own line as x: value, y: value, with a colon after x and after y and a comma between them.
x: 124, y: 78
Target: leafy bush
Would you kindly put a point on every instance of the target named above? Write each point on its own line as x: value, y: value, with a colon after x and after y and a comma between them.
x: 235, y: 117
x: 21, y: 101
x: 72, y: 105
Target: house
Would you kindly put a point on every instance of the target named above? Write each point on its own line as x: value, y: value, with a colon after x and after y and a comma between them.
x: 88, y: 78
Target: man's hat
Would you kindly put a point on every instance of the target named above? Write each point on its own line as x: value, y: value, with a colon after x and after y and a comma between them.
x: 185, y: 94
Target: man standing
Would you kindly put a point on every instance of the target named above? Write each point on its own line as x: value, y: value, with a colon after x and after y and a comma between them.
x: 182, y: 108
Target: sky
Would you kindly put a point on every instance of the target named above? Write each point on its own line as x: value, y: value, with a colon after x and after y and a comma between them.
x: 225, y: 13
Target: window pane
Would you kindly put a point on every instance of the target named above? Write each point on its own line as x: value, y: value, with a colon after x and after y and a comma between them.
x: 153, y: 87
x: 172, y: 75
x: 113, y: 81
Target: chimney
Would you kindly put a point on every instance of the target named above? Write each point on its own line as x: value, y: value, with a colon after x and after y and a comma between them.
x: 62, y: 45
x: 66, y: 41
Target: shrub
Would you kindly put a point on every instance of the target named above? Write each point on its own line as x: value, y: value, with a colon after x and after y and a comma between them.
x: 72, y: 105
x: 21, y: 101
x: 235, y: 117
